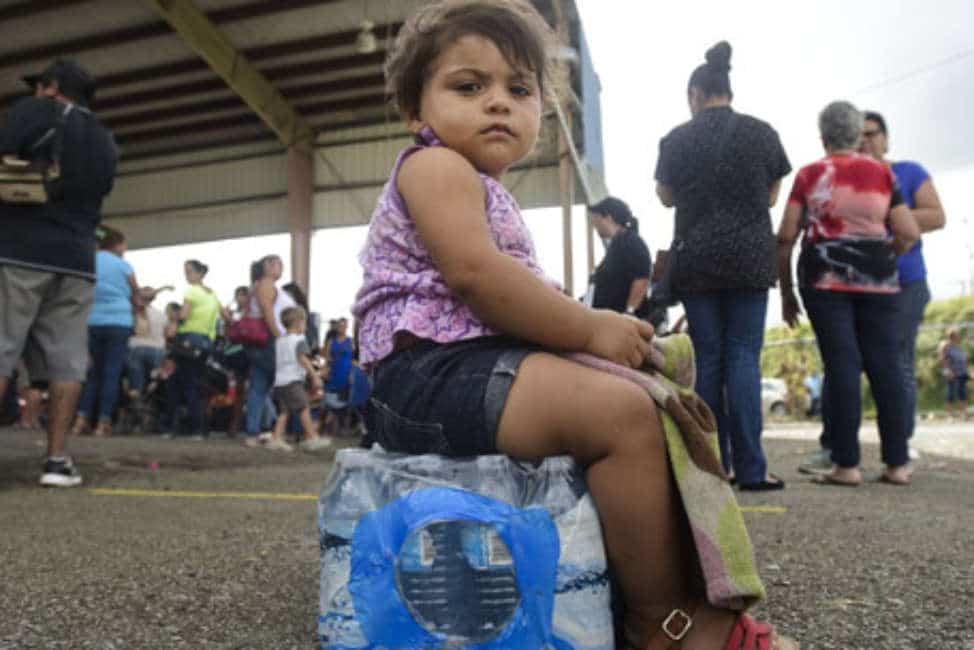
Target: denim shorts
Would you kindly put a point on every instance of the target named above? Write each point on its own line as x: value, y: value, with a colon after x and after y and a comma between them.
x: 444, y: 399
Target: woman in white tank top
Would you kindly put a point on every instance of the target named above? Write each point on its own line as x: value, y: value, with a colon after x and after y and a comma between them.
x: 267, y: 301
x: 282, y: 300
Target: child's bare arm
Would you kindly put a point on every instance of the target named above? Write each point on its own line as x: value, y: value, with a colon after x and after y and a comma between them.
x: 446, y: 197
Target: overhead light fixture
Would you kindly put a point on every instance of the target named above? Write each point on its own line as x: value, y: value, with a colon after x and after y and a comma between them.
x: 365, y: 42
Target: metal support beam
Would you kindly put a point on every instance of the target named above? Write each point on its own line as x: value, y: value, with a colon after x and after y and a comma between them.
x: 203, y: 37
x: 566, y: 175
x: 566, y: 180
x: 565, y: 139
x: 300, y: 209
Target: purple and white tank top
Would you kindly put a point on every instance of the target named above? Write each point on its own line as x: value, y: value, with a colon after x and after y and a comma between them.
x: 403, y: 291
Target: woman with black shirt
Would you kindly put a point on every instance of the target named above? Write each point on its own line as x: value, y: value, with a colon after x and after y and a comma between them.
x: 621, y: 280
x: 722, y: 170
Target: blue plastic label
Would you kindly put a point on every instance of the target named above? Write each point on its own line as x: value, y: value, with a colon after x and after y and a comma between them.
x: 440, y: 545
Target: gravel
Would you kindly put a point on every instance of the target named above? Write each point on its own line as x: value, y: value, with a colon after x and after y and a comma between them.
x: 878, y: 567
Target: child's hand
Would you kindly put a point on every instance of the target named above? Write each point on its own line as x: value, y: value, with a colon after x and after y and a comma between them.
x: 620, y: 339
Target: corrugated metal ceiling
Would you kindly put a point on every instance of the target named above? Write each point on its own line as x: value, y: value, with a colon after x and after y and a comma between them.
x: 159, y: 97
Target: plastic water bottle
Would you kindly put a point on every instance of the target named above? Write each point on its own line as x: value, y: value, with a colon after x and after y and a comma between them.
x: 429, y: 552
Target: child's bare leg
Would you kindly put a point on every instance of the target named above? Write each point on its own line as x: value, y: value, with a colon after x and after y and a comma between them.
x: 309, y: 430
x: 611, y: 427
x: 280, y: 423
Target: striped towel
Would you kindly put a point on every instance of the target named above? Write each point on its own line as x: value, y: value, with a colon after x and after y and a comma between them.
x: 719, y: 534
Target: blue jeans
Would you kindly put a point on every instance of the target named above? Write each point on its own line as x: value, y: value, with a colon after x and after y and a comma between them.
x: 856, y: 332
x: 142, y: 361
x: 912, y: 299
x: 185, y: 386
x: 727, y: 329
x: 261, y: 382
x: 108, y: 347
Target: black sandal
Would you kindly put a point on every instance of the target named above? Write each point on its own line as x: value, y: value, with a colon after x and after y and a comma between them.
x: 764, y: 485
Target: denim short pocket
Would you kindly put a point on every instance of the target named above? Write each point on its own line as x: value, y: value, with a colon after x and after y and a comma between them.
x: 400, y: 434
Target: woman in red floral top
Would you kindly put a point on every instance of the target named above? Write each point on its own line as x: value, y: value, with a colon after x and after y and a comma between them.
x: 848, y: 204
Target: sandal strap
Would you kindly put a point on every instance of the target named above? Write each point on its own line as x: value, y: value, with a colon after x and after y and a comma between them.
x: 749, y: 634
x: 673, y: 628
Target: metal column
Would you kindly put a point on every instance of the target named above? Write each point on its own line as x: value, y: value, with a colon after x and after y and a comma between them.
x: 300, y: 207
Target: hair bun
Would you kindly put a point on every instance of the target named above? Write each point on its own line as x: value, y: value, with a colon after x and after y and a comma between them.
x: 718, y: 57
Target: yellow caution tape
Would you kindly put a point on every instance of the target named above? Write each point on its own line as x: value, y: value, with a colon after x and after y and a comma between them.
x: 775, y: 510
x: 275, y: 496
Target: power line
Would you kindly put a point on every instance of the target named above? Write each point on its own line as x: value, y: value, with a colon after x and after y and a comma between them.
x: 918, y: 71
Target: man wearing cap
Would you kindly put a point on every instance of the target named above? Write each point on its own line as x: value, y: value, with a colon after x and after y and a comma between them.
x: 47, y: 251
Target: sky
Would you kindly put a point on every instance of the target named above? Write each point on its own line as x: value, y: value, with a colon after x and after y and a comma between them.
x: 913, y: 64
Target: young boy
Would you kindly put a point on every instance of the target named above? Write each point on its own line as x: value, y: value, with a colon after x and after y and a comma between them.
x: 293, y: 368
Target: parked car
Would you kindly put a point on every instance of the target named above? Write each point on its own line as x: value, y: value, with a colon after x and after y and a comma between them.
x: 774, y: 396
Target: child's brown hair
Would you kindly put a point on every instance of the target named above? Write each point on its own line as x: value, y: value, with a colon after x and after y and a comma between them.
x: 293, y: 315
x: 514, y: 26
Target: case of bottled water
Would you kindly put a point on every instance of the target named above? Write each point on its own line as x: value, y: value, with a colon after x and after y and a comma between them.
x: 482, y: 553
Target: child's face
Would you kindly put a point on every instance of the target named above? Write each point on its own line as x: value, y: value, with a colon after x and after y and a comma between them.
x: 480, y: 106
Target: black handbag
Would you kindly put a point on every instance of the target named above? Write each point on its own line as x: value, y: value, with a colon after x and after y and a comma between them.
x: 183, y: 349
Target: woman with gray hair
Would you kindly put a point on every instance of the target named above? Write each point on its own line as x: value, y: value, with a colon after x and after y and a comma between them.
x: 846, y: 204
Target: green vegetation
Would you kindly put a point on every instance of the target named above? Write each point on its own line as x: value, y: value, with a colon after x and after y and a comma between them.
x: 793, y: 354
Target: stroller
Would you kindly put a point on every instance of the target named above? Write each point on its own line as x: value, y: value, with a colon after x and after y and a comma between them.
x: 147, y: 414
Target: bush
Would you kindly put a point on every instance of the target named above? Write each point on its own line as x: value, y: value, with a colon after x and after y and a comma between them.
x: 792, y: 355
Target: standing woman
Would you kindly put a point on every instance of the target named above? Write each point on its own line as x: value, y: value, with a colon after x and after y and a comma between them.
x: 621, y: 280
x: 266, y: 302
x: 722, y: 170
x: 236, y: 357
x: 147, y: 346
x: 921, y: 197
x: 109, y: 327
x: 194, y: 340
x: 847, y: 273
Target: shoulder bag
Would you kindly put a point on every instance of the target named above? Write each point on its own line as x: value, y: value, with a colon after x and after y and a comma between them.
x: 25, y: 182
x: 249, y: 330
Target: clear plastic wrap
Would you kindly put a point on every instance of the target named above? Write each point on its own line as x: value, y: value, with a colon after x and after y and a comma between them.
x: 431, y: 552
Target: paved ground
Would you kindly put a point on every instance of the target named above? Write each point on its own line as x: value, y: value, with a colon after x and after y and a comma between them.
x: 877, y: 567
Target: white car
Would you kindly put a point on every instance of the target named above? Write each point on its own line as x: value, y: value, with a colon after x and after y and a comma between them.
x: 774, y: 396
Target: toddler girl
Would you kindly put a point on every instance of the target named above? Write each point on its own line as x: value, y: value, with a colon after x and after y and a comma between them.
x: 461, y: 329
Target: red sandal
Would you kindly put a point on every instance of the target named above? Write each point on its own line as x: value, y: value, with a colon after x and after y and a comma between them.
x: 747, y: 634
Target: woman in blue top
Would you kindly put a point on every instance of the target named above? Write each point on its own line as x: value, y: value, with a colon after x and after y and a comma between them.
x: 921, y: 197
x: 339, y: 353
x: 109, y: 327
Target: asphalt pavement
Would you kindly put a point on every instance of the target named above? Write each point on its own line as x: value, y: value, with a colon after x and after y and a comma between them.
x: 173, y: 544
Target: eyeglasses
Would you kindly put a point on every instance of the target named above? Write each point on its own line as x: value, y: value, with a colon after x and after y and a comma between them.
x: 871, y: 134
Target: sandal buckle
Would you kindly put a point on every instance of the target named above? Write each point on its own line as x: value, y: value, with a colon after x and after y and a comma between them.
x: 677, y: 616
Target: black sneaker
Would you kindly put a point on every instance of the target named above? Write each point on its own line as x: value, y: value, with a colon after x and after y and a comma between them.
x: 60, y: 473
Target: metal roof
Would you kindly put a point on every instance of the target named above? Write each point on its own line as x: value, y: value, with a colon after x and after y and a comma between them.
x: 168, y: 108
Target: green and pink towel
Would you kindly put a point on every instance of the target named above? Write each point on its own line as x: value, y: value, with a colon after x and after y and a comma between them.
x: 719, y: 534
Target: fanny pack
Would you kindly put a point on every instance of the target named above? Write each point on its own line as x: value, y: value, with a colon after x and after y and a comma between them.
x: 849, y: 260
x: 35, y: 182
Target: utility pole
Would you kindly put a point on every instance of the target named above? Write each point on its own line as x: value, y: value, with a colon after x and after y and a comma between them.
x: 969, y: 281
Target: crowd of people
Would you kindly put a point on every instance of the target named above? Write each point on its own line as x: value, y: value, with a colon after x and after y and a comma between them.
x: 861, y: 274
x: 188, y: 370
